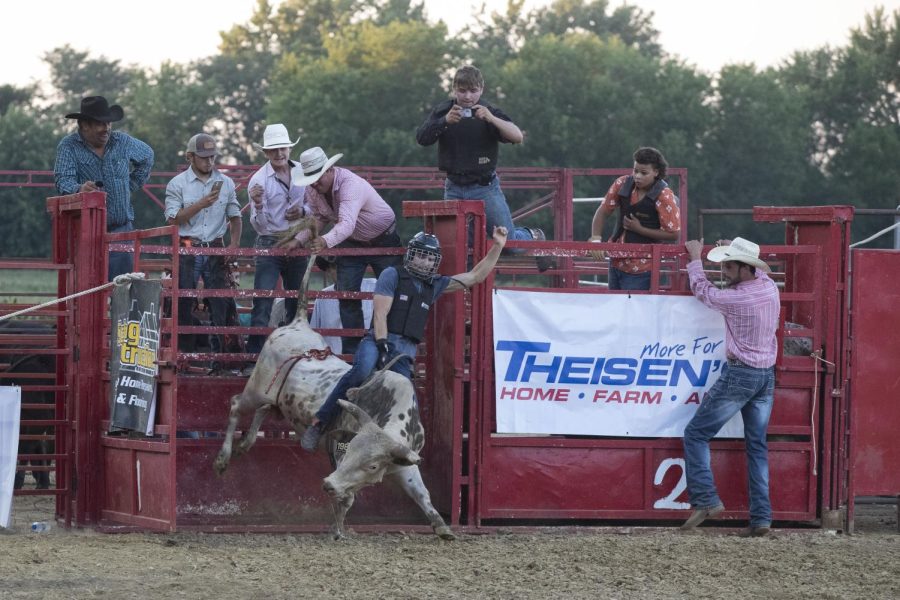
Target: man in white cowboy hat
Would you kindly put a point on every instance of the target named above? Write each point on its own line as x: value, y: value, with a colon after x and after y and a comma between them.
x: 751, y: 307
x: 91, y: 160
x: 274, y: 201
x: 360, y: 218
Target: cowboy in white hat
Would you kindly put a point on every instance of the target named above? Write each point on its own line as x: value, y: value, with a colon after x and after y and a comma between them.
x: 751, y: 308
x: 274, y: 201
x: 360, y: 218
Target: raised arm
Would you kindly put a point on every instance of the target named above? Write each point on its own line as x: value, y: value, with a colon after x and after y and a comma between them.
x: 480, y: 271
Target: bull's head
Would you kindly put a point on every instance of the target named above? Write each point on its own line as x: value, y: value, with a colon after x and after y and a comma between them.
x: 368, y: 456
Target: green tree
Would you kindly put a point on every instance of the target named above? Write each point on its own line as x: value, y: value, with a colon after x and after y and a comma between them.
x: 27, y: 142
x: 11, y: 95
x: 74, y: 75
x: 365, y: 97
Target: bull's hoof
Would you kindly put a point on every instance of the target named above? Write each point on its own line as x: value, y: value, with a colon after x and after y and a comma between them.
x: 336, y: 534
x: 220, y: 464
x: 444, y: 533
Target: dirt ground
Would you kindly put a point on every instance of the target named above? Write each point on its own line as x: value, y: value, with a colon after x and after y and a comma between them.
x: 589, y: 563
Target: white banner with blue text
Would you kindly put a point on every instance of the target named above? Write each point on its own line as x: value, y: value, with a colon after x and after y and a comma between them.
x: 604, y: 364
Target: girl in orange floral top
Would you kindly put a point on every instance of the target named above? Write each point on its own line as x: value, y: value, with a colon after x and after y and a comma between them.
x: 648, y: 214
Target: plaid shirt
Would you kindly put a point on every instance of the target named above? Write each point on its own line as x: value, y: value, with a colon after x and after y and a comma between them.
x: 124, y: 168
x: 751, y: 310
x: 359, y: 213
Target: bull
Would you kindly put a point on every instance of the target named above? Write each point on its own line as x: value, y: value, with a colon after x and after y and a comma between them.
x: 293, y: 375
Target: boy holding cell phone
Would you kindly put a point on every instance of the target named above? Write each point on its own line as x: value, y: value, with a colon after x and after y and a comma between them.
x: 203, y: 203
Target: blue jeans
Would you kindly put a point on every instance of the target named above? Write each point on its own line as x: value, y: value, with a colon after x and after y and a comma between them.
x: 268, y: 269
x: 350, y: 273
x: 120, y: 262
x: 743, y: 389
x: 363, y: 365
x: 620, y: 280
x: 212, y: 270
x: 496, y: 210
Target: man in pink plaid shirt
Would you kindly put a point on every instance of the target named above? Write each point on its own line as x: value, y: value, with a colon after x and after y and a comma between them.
x: 751, y: 307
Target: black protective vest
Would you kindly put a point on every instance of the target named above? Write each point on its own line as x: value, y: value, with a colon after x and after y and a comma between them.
x: 644, y: 211
x: 470, y: 149
x: 409, y: 312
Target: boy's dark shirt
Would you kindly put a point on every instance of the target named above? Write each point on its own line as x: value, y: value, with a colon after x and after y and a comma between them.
x: 467, y: 151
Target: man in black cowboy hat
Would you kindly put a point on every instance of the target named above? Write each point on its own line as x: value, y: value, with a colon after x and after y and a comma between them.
x: 95, y: 158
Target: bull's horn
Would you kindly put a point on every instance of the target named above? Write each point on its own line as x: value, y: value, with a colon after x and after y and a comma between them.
x: 405, y: 456
x: 361, y: 416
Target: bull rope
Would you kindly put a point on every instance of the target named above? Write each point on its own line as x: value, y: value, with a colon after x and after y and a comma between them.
x: 119, y: 280
x: 817, y: 356
x: 309, y: 354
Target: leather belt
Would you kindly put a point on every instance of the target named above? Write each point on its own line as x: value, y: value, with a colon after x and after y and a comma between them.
x: 736, y: 362
x: 189, y: 242
x: 391, y: 229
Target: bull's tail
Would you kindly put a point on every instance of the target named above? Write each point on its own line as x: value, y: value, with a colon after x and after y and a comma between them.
x: 303, y: 224
x: 304, y: 289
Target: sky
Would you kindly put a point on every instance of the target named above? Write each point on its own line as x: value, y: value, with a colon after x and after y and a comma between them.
x: 706, y: 33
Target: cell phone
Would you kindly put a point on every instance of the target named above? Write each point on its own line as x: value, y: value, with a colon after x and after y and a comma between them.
x: 217, y: 185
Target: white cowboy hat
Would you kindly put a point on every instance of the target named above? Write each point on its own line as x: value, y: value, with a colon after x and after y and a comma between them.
x: 740, y: 250
x: 275, y: 136
x: 313, y: 164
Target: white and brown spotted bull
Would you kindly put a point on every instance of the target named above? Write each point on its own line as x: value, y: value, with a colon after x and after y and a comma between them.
x: 294, y: 375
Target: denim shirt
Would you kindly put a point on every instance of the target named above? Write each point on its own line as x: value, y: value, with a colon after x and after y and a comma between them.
x: 124, y: 168
x: 210, y: 223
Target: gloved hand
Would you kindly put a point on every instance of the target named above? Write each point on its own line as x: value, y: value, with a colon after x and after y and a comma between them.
x: 384, y: 353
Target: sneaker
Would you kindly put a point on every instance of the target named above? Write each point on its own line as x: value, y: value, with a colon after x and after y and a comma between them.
x: 543, y: 262
x: 701, y: 514
x: 754, y: 532
x: 310, y: 439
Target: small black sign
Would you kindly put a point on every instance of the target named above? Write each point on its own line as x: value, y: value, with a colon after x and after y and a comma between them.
x: 134, y: 349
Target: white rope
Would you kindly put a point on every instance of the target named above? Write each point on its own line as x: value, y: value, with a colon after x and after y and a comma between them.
x: 119, y: 280
x: 872, y: 237
x: 817, y: 356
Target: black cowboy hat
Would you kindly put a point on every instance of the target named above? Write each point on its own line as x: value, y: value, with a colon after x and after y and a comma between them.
x: 98, y: 109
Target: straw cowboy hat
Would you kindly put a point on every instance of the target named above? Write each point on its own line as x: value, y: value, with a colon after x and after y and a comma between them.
x: 313, y: 164
x: 275, y: 136
x: 740, y: 250
x: 98, y: 109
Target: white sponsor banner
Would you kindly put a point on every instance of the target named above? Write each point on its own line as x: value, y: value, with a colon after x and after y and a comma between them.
x: 10, y: 407
x: 610, y: 364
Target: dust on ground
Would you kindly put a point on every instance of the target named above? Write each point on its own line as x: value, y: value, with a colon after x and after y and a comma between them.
x: 589, y: 563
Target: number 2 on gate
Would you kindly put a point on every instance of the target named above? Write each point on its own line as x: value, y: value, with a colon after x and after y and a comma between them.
x: 669, y: 501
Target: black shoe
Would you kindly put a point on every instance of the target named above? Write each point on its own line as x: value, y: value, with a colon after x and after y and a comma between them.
x: 543, y: 262
x: 310, y: 439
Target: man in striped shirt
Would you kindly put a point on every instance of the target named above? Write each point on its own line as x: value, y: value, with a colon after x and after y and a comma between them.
x: 751, y: 307
x: 96, y: 158
x: 274, y: 203
x: 360, y: 219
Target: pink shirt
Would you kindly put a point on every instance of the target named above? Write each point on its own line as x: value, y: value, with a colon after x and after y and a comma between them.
x: 359, y: 213
x: 751, y: 310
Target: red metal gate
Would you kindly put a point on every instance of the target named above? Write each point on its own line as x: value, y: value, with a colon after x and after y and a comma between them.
x: 874, y: 381
x: 563, y: 477
x: 475, y: 476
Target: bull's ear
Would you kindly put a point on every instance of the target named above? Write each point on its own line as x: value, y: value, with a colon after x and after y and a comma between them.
x: 361, y: 416
x: 404, y: 456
